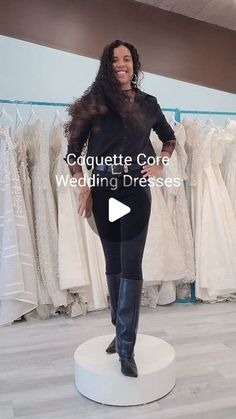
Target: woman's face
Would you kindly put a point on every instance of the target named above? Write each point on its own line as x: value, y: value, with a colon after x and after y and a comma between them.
x: 122, y: 64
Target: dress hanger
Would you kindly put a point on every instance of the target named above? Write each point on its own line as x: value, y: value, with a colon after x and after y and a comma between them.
x: 19, y: 119
x: 32, y: 113
x: 172, y: 120
x: 211, y: 123
x: 197, y: 119
x: 56, y: 116
x: 5, y: 114
x: 186, y: 120
x: 229, y: 122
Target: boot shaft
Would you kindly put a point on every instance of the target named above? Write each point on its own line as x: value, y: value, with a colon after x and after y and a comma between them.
x: 127, y: 318
x: 113, y: 284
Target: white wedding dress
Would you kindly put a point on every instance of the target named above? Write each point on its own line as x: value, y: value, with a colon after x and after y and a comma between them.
x: 228, y: 165
x: 18, y: 280
x: 163, y: 260
x: 44, y: 212
x: 96, y: 266
x: 44, y: 300
x: 175, y: 198
x: 81, y: 260
x: 212, y: 216
x: 73, y: 271
x: 95, y: 259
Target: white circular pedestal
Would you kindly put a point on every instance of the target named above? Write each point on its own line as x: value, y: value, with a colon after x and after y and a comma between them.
x: 98, y: 375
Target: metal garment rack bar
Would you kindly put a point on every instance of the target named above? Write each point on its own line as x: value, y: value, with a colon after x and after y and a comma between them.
x: 33, y: 103
x: 177, y: 113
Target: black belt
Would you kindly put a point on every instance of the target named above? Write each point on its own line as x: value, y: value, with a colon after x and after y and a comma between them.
x: 117, y: 169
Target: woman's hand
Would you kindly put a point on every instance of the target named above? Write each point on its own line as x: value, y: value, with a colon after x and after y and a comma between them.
x: 85, y: 201
x: 154, y: 170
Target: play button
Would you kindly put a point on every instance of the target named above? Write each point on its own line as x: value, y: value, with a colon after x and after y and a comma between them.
x: 116, y: 210
x: 119, y: 214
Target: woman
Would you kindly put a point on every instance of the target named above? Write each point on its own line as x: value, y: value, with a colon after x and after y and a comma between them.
x: 116, y: 118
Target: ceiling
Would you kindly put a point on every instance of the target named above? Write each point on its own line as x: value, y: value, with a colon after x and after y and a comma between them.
x: 217, y: 12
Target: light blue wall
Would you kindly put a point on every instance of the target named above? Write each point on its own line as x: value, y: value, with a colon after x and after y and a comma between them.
x: 33, y: 72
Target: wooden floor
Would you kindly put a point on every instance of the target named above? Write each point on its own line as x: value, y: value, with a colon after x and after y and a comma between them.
x: 36, y: 365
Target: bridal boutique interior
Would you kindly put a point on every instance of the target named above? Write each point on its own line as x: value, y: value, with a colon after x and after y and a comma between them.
x: 52, y: 269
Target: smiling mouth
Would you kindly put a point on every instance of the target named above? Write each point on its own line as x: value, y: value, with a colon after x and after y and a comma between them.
x: 121, y: 72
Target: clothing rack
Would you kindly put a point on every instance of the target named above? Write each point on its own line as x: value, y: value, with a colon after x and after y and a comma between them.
x: 178, y: 112
x: 33, y: 103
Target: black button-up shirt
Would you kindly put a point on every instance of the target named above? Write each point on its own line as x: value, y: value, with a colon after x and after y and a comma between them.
x: 128, y: 139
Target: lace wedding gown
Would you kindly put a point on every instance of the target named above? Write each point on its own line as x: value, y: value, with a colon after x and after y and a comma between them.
x: 44, y: 300
x: 44, y: 212
x: 228, y: 165
x: 18, y: 288
x: 213, y: 220
x: 175, y: 198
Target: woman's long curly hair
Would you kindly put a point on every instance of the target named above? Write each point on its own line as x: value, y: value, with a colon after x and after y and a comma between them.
x: 104, y: 92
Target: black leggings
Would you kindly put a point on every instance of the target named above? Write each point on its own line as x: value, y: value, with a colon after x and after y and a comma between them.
x: 123, y: 240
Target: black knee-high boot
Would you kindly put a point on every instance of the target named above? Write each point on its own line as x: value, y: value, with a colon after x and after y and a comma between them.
x: 127, y: 323
x: 113, y: 283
